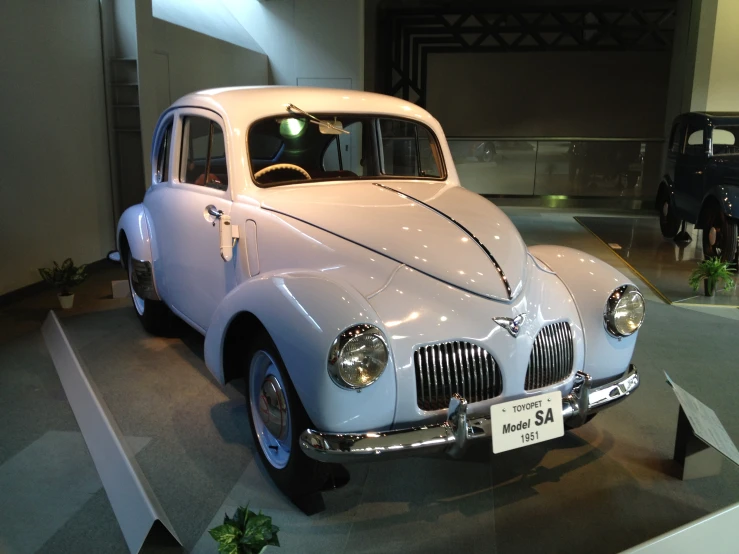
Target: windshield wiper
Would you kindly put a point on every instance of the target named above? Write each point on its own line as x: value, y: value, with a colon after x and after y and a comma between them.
x: 292, y: 108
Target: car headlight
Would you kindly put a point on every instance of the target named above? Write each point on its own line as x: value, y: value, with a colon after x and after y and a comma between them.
x: 624, y: 312
x: 358, y: 357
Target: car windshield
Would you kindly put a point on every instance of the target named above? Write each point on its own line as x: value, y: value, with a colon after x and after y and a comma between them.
x: 296, y: 148
x: 725, y: 140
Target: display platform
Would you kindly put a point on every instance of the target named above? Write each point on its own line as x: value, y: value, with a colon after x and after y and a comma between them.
x: 661, y: 263
x: 614, y: 477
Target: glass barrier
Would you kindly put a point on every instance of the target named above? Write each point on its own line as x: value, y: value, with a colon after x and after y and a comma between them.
x: 495, y: 166
x: 551, y: 167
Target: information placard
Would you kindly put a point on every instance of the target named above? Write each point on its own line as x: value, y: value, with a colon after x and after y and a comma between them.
x: 705, y: 423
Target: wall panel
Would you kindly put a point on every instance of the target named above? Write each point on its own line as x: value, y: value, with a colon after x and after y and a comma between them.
x: 549, y: 94
x: 55, y: 191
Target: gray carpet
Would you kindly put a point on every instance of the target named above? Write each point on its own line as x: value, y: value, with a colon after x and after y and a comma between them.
x: 604, y: 487
x: 611, y: 478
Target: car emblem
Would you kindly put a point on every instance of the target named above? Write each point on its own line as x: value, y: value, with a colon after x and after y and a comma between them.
x: 513, y: 326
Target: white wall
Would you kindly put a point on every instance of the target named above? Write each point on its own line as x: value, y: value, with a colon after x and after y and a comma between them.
x: 311, y: 39
x: 219, y: 19
x: 124, y: 27
x: 304, y: 39
x: 196, y: 61
x: 716, y: 79
x: 173, y: 61
x: 55, y: 192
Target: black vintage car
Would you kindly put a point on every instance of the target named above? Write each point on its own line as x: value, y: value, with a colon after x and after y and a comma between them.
x: 701, y: 181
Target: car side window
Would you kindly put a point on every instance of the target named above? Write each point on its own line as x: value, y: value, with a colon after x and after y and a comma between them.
x: 725, y: 140
x: 694, y: 145
x: 162, y: 165
x: 203, y: 153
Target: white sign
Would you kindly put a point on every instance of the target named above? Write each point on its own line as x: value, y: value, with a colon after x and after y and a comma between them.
x: 526, y: 421
x: 705, y: 423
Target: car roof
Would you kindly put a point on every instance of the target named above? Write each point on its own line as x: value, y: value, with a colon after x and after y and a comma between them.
x: 252, y: 103
x: 713, y: 116
x: 719, y: 114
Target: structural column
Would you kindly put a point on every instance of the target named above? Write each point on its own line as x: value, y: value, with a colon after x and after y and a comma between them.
x: 704, y: 72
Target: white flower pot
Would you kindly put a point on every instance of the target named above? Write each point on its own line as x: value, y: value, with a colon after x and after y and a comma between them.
x: 66, y: 300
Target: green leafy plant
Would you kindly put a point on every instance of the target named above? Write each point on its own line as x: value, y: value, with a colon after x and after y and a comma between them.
x: 712, y: 270
x: 245, y: 532
x: 64, y: 277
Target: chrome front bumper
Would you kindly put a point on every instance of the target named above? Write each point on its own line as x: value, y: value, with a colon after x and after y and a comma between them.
x: 454, y: 434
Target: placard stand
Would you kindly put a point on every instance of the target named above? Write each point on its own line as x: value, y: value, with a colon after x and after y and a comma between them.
x: 701, y: 440
x: 696, y: 458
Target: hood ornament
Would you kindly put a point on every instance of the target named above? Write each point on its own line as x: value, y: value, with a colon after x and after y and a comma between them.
x: 513, y: 326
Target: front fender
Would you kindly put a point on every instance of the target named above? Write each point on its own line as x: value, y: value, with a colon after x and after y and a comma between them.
x: 666, y: 188
x: 727, y: 197
x: 304, y: 312
x: 590, y: 282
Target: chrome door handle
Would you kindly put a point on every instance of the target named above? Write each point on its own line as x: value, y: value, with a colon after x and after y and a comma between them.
x: 215, y: 212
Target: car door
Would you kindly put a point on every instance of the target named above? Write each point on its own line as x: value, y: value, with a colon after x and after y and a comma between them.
x: 195, y: 277
x: 689, y: 172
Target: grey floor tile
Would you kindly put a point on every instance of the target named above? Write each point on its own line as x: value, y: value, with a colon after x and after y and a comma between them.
x: 44, y: 485
x: 426, y: 505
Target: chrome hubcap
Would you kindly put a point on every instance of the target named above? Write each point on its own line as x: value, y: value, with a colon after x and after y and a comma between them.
x: 270, y: 411
x: 273, y: 408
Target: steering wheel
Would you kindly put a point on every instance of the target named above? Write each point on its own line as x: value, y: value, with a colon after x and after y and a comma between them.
x: 276, y: 167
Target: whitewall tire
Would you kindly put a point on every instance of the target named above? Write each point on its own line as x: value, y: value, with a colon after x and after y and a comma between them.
x: 277, y: 418
x: 154, y: 315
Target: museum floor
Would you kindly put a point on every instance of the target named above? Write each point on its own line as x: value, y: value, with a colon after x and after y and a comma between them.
x: 602, y: 488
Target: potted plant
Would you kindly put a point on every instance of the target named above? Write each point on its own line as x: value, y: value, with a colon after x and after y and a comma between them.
x: 63, y: 278
x: 711, y: 271
x: 245, y: 533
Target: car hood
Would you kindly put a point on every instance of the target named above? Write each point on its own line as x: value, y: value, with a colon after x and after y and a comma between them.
x: 442, y: 230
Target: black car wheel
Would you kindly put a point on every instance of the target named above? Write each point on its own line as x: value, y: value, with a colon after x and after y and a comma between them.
x: 719, y: 236
x: 154, y: 315
x: 668, y: 223
x: 277, y: 418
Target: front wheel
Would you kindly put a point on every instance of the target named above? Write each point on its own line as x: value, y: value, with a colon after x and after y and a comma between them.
x: 719, y: 236
x: 154, y: 315
x: 668, y: 223
x: 277, y: 418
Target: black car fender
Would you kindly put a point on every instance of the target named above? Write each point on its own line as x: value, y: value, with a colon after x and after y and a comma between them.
x: 726, y: 198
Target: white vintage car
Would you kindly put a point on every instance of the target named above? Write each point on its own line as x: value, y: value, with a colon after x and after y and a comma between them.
x: 322, y: 243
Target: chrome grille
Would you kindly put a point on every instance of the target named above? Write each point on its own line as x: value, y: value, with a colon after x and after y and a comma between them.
x: 449, y: 367
x: 551, y: 357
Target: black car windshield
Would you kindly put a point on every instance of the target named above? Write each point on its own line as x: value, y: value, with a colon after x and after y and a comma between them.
x: 725, y: 141
x: 295, y: 148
